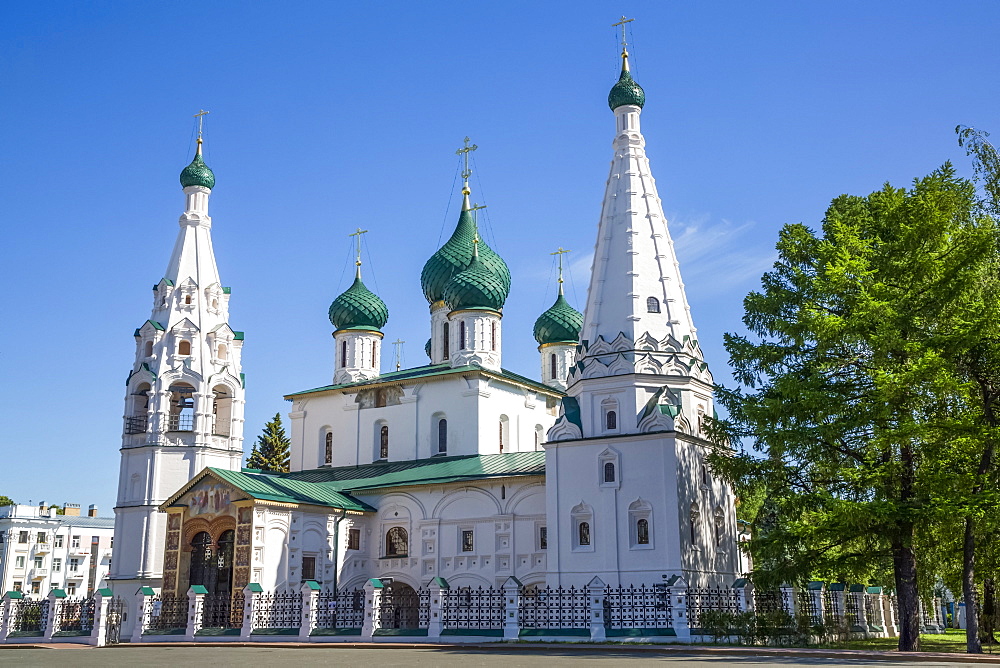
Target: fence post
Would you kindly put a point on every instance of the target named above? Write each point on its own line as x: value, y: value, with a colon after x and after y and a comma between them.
x: 250, y: 593
x: 438, y: 590
x: 54, y: 600
x: 98, y: 634
x: 141, y: 615
x: 196, y: 610
x: 677, y: 595
x: 310, y: 601
x: 744, y: 602
x: 788, y: 602
x: 596, y: 595
x: 8, y: 613
x: 373, y: 602
x: 891, y: 629
x: 858, y: 592
x: 512, y: 606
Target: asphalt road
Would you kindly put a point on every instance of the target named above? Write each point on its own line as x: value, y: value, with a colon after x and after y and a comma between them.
x: 550, y: 657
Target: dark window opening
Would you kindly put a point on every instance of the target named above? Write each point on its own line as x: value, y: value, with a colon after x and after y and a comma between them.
x: 354, y: 539
x: 611, y: 420
x: 467, y: 542
x: 652, y: 305
x: 383, y: 442
x: 461, y: 335
x: 642, y: 532
x: 447, y: 345
x: 609, y: 472
x: 584, y: 531
x: 396, y: 542
x: 308, y: 568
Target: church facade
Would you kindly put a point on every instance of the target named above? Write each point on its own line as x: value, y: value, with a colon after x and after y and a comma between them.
x: 458, y: 469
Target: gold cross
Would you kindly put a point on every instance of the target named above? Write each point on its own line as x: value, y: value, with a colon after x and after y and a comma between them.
x: 622, y: 24
x: 201, y: 117
x: 562, y: 251
x: 464, y: 151
x: 358, y: 235
x: 398, y: 345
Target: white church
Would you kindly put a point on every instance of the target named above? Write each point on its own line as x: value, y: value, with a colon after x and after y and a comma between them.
x: 458, y: 469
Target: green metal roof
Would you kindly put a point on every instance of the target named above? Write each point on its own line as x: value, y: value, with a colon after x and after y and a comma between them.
x: 626, y: 90
x: 561, y: 323
x: 198, y: 173
x: 476, y: 287
x: 289, y: 490
x: 431, y: 371
x: 456, y: 256
x: 358, y: 308
x: 433, y: 471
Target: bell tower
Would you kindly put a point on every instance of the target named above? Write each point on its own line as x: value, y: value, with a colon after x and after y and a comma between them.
x: 184, y: 394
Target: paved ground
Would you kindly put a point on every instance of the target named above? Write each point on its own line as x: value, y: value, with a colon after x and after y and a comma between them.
x: 446, y: 657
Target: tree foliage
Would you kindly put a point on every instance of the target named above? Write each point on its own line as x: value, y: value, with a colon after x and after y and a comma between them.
x: 849, y: 389
x: 271, y: 451
x: 6, y: 501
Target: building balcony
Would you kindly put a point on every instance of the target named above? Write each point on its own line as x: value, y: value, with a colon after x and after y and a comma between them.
x: 136, y: 424
x: 79, y: 575
x: 42, y: 548
x: 39, y: 573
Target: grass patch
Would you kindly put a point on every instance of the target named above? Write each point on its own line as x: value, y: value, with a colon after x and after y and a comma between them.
x: 951, y: 641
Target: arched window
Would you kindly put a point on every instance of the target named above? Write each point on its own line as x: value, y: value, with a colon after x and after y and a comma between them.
x: 396, y: 542
x: 149, y: 349
x: 447, y: 344
x: 553, y: 366
x: 706, y: 479
x: 221, y: 353
x: 215, y: 303
x: 653, y: 305
x: 374, y: 361
x: 343, y: 354
x: 184, y: 347
x: 720, y: 527
x: 461, y: 335
x: 201, y: 559
x: 442, y: 436
x: 609, y: 472
x: 584, y: 529
x: 693, y: 523
x: 222, y: 411
x: 383, y: 442
x: 611, y: 420
x: 187, y: 299
x: 642, y: 532
x: 328, y: 448
x: 504, y: 432
x: 493, y: 336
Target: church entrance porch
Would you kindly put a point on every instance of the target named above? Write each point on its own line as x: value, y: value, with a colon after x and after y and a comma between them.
x: 403, y: 608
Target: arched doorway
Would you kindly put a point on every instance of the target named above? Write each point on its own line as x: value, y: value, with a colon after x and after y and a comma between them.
x: 212, y: 563
x: 400, y: 607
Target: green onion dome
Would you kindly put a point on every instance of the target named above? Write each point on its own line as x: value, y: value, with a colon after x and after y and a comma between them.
x: 478, y: 287
x: 456, y: 255
x: 560, y: 324
x: 626, y: 91
x: 198, y: 173
x: 358, y: 308
x: 427, y: 348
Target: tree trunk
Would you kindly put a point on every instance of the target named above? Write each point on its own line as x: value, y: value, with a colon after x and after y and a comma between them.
x: 904, y: 563
x: 988, y: 614
x: 972, y: 642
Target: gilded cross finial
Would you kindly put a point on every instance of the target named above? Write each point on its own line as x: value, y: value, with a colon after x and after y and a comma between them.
x: 622, y: 24
x: 466, y: 173
x: 562, y: 251
x: 475, y: 221
x: 398, y: 352
x: 357, y: 237
x: 201, y: 118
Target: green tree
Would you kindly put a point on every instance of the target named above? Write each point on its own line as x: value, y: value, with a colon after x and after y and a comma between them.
x: 270, y: 452
x: 846, y: 385
x: 6, y: 501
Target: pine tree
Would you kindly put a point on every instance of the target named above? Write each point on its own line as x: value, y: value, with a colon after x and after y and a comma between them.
x: 270, y: 452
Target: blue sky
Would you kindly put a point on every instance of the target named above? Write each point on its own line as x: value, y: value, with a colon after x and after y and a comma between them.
x: 327, y: 116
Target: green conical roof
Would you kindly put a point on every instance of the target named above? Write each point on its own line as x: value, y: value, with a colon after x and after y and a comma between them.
x: 626, y: 91
x: 476, y: 287
x: 358, y: 308
x: 456, y: 255
x: 560, y: 324
x: 198, y: 173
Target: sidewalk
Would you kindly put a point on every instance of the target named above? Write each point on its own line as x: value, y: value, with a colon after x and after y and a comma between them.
x: 698, y: 650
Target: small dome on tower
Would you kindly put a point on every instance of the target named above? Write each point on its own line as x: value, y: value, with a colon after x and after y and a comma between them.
x: 626, y: 91
x: 561, y: 323
x: 427, y: 348
x: 456, y: 256
x: 198, y: 173
x: 358, y: 308
x: 478, y: 287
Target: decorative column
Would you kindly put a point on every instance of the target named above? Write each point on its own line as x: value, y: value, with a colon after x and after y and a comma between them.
x: 512, y: 605
x: 889, y: 616
x: 196, y: 610
x: 99, y: 632
x: 439, y: 589
x: 839, y: 603
x: 55, y: 600
x: 9, y: 601
x: 310, y: 601
x: 373, y: 602
x: 141, y: 612
x: 788, y: 600
x: 596, y: 596
x: 815, y: 589
x: 858, y: 592
x: 251, y: 596
x: 677, y: 596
